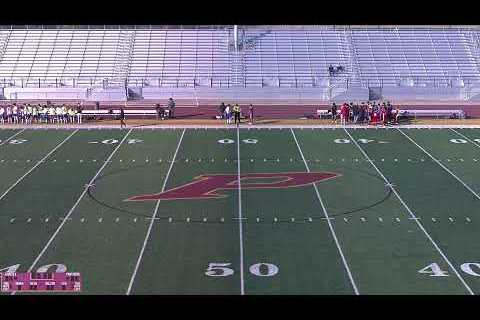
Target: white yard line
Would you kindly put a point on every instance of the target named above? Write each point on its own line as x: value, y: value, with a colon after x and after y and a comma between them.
x: 412, y: 215
x: 36, y: 165
x: 240, y: 218
x: 147, y: 236
x: 332, y: 230
x: 465, y: 137
x: 441, y: 165
x: 11, y: 137
x: 67, y: 217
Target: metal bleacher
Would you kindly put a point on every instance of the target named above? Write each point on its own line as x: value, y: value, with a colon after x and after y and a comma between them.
x: 265, y: 56
x: 293, y: 56
x: 70, y: 57
x: 414, y: 56
x: 180, y: 57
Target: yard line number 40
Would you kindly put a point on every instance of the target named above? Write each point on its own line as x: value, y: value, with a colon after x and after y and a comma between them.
x: 434, y: 270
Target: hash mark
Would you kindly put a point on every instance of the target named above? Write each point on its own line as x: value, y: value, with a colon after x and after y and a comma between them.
x: 310, y: 219
x: 29, y: 219
x: 204, y: 219
x: 170, y: 219
x: 380, y: 219
x: 345, y: 219
x: 275, y: 219
x: 100, y: 220
x: 11, y: 220
x: 398, y: 219
x: 222, y: 219
x: 293, y: 219
x: 468, y: 219
x: 46, y: 220
x: 82, y: 220
x: 188, y: 219
x: 434, y: 220
x: 117, y: 219
x: 450, y: 218
x: 135, y: 220
x: 363, y: 219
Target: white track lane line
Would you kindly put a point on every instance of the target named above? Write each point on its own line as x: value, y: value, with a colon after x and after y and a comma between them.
x: 412, y: 215
x: 441, y: 165
x: 36, y: 165
x: 465, y: 137
x: 147, y: 236
x: 332, y: 230
x: 240, y: 218
x: 11, y: 137
x: 76, y: 204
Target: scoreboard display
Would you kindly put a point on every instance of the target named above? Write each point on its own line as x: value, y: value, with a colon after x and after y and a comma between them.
x: 40, y: 282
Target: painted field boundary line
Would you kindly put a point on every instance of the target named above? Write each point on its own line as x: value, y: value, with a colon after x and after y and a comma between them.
x: 154, y: 215
x: 465, y: 137
x: 413, y: 216
x: 332, y: 230
x: 240, y: 218
x: 11, y: 137
x: 242, y: 127
x: 67, y: 217
x: 441, y: 165
x: 36, y: 165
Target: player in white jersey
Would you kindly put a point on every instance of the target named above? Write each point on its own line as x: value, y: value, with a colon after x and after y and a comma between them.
x: 51, y: 114
x: 15, y: 113
x: 71, y: 115
x: 21, y: 114
x: 8, y: 113
x: 34, y: 114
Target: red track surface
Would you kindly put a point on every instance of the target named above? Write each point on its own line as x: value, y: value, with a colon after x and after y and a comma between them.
x: 288, y: 111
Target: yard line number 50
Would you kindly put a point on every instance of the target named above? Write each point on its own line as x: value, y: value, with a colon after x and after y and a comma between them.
x: 261, y: 269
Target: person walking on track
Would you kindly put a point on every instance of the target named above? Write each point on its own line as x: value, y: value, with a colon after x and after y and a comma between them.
x: 251, y: 110
x: 122, y: 118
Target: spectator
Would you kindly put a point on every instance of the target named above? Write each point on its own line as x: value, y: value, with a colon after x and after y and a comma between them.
x: 157, y: 109
x: 237, y: 112
x: 333, y: 110
x: 330, y: 70
x: 251, y: 110
x: 122, y: 118
x: 221, y: 110
x: 171, y: 108
x: 228, y: 114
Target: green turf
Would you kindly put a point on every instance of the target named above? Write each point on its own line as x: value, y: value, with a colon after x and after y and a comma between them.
x: 383, y: 247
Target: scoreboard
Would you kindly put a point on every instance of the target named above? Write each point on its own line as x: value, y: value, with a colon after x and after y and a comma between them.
x: 41, y: 282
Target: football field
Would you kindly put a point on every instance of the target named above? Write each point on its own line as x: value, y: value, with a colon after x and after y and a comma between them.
x: 251, y: 211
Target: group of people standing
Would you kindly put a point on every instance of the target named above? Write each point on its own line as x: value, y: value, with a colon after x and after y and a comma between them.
x: 366, y: 113
x: 48, y: 113
x: 228, y: 111
x: 163, y: 113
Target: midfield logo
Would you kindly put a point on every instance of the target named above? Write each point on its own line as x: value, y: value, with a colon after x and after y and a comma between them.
x: 206, y: 186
